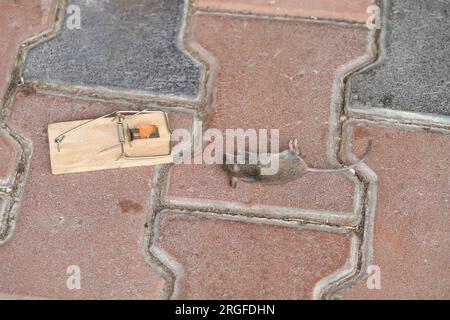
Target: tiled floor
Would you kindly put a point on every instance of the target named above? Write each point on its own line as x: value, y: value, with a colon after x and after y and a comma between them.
x: 132, y: 36
x: 20, y: 20
x: 412, y: 215
x: 290, y: 77
x: 93, y: 220
x: 181, y: 231
x: 238, y: 260
x: 414, y: 81
x: 9, y: 150
x: 346, y: 10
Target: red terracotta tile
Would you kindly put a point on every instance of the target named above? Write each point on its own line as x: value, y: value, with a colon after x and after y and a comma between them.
x: 274, y: 74
x: 237, y: 260
x: 412, y: 222
x: 92, y: 220
x: 20, y: 20
x: 9, y: 151
x: 351, y: 10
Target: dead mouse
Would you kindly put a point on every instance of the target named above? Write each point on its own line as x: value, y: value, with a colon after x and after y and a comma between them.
x: 291, y: 166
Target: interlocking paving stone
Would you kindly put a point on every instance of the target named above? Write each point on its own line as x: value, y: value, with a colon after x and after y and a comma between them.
x: 236, y: 260
x: 352, y: 10
x: 274, y: 74
x: 122, y: 45
x: 9, y: 150
x: 19, y: 20
x: 2, y: 204
x: 412, y: 222
x: 92, y: 220
x: 415, y: 75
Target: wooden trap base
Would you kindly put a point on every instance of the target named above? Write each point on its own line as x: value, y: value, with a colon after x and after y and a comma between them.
x: 80, y: 150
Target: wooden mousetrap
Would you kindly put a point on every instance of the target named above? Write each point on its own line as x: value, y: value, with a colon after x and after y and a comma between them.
x: 121, y: 139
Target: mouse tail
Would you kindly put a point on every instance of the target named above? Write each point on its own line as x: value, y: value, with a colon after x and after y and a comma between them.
x: 343, y: 169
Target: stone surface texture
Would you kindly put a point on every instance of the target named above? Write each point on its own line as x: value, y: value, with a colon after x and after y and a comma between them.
x: 20, y: 20
x: 222, y: 259
x: 349, y: 10
x: 274, y: 75
x: 181, y: 231
x: 9, y: 151
x: 91, y: 220
x: 415, y: 73
x: 121, y: 45
x: 412, y: 223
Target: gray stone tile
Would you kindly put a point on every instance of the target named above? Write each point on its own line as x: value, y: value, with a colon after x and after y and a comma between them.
x: 122, y: 45
x: 415, y: 74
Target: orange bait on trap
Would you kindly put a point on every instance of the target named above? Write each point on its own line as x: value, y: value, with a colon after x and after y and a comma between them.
x: 144, y: 131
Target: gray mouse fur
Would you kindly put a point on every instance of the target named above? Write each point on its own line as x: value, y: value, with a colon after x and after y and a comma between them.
x: 291, y: 167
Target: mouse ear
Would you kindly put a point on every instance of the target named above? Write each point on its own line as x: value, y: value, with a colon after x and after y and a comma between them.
x: 258, y: 171
x: 296, y: 145
x: 293, y: 146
